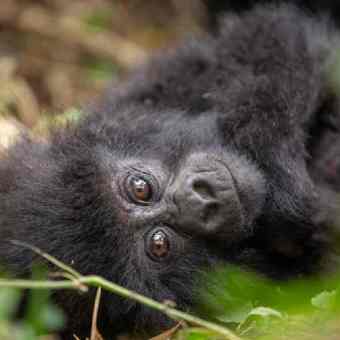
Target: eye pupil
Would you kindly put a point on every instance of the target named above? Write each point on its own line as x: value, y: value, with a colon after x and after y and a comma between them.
x: 141, y: 189
x: 160, y: 245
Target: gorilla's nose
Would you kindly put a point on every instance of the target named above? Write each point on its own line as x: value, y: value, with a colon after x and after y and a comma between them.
x: 204, y: 201
x: 208, y: 201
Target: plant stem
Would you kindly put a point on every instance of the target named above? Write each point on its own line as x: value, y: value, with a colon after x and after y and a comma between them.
x: 97, y: 281
x: 37, y: 284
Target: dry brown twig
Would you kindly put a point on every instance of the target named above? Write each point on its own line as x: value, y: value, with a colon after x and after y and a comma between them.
x: 95, y: 335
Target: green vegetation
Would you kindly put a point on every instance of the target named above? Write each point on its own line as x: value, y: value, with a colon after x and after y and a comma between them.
x: 257, y: 308
x: 40, y: 316
x: 236, y: 305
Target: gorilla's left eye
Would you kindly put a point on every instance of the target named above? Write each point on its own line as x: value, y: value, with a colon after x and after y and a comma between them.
x: 139, y: 189
x: 158, y: 245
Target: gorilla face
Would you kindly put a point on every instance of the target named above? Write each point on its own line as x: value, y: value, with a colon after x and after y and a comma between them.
x: 188, y: 182
x: 207, y: 155
x: 170, y: 209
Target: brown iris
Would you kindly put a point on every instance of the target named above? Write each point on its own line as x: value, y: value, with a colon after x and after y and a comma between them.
x: 140, y: 190
x: 159, y: 244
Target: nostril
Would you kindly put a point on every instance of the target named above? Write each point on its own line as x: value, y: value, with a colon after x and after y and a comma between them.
x: 203, y: 188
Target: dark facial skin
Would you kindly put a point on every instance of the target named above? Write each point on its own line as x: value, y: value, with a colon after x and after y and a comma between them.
x: 212, y: 154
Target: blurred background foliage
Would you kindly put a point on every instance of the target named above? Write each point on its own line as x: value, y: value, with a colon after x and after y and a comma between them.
x: 55, y: 54
x: 33, y: 320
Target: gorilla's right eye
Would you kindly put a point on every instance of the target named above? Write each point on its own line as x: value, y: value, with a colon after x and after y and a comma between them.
x: 139, y: 189
x: 158, y: 244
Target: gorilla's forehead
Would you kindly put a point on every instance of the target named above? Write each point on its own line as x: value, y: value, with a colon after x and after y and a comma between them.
x: 167, y: 133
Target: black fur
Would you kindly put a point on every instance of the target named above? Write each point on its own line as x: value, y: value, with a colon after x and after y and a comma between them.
x: 258, y: 92
x: 215, y: 7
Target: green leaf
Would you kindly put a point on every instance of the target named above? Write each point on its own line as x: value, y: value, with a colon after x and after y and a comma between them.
x: 41, y: 314
x: 265, y: 312
x: 52, y: 318
x: 197, y: 336
x: 325, y: 300
x: 237, y: 314
x: 196, y: 333
x: 4, y: 330
x: 25, y: 331
x: 9, y: 300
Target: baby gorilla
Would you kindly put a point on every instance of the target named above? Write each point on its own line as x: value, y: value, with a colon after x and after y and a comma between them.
x: 226, y: 150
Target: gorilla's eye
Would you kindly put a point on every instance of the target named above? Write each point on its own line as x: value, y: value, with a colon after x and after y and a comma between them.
x: 158, y: 245
x: 139, y: 189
